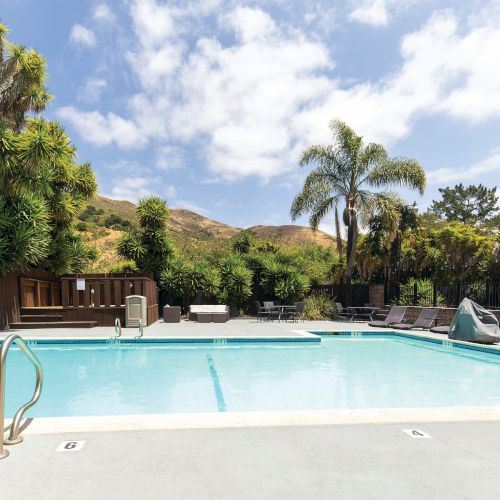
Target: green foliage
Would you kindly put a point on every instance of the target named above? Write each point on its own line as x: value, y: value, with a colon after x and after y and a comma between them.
x: 243, y: 242
x: 423, y: 296
x: 129, y: 266
x: 116, y: 222
x: 236, y: 280
x: 319, y: 307
x: 467, y: 204
x: 149, y: 246
x: 344, y: 172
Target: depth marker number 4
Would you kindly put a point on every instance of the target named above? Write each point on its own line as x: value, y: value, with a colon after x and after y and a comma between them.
x: 416, y: 433
x: 70, y: 446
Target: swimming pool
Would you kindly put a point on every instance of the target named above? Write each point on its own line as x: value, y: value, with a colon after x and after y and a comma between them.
x: 344, y: 372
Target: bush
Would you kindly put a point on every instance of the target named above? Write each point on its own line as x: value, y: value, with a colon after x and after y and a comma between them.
x: 318, y: 307
x: 128, y: 266
x: 81, y: 226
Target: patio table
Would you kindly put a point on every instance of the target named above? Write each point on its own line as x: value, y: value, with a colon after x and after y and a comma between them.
x: 361, y: 312
x: 282, y: 310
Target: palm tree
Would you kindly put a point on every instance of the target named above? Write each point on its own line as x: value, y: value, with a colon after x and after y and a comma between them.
x: 344, y: 172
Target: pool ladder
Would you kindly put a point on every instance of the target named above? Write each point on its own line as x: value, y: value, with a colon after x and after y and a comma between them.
x: 14, y: 432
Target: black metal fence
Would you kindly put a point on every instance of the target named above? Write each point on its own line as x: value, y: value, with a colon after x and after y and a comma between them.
x: 360, y: 293
x: 428, y: 294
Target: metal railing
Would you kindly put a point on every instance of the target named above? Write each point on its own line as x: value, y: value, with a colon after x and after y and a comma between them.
x: 118, y: 328
x: 141, y: 329
x: 14, y: 435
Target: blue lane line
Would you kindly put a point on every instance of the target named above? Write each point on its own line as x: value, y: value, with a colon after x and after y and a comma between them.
x: 217, y: 387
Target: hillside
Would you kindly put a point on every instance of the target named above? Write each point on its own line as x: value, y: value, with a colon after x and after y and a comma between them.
x: 104, y: 219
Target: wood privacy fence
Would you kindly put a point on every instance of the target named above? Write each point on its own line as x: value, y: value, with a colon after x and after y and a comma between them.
x: 37, y: 292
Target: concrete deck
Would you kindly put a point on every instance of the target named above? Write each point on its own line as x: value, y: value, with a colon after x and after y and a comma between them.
x: 459, y: 461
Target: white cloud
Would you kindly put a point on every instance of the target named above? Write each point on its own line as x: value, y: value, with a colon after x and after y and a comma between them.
x: 169, y: 158
x: 371, y: 12
x: 103, y: 130
x: 91, y: 91
x: 132, y: 188
x: 252, y: 101
x: 80, y: 35
x: 377, y: 12
x: 102, y: 12
x: 472, y: 173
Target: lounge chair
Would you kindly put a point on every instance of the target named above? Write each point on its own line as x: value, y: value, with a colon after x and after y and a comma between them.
x: 395, y: 315
x: 425, y: 320
x: 445, y: 329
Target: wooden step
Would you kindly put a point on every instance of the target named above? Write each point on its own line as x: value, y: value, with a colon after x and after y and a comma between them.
x: 38, y: 318
x: 53, y: 324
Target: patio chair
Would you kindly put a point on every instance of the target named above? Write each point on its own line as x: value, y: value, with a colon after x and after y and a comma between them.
x: 395, y: 315
x: 262, y: 312
x: 297, y: 313
x: 268, y: 304
x: 425, y: 320
x: 342, y: 312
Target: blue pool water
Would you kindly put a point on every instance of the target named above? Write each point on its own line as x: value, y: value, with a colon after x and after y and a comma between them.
x: 338, y: 373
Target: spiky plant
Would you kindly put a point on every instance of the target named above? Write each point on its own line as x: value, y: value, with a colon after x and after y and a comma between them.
x: 345, y: 174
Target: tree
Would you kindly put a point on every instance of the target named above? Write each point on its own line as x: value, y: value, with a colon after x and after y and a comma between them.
x: 149, y: 246
x: 468, y: 204
x: 22, y: 82
x: 344, y: 172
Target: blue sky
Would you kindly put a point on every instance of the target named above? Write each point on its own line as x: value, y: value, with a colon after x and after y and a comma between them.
x: 209, y: 103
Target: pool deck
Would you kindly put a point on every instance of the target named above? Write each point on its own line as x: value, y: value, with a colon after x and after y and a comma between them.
x: 256, y: 455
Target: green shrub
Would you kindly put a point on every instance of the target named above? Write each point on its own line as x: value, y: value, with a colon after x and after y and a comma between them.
x: 129, y: 266
x: 319, y: 307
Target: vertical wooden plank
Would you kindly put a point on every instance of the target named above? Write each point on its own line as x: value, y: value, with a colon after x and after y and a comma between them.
x: 97, y: 293
x: 126, y: 289
x: 137, y: 287
x: 65, y: 293
x: 76, y: 296
x: 118, y: 292
x: 37, y: 294
x: 107, y: 292
x: 86, y: 294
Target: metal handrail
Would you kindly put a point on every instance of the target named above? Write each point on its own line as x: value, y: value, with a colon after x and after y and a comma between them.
x: 141, y: 329
x: 14, y: 436
x: 118, y: 328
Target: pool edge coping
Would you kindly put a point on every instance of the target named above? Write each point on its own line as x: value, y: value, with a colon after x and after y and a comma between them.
x: 179, y: 421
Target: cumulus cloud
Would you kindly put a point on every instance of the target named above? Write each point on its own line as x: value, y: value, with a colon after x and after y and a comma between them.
x: 103, y: 13
x: 131, y: 188
x: 377, y: 12
x: 79, y: 35
x: 103, y: 130
x: 253, y: 94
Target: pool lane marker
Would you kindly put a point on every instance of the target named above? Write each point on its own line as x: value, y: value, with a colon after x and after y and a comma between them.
x: 216, y: 382
x: 416, y: 433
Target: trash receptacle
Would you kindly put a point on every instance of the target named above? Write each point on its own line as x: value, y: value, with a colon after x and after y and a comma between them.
x: 171, y: 314
x: 135, y: 310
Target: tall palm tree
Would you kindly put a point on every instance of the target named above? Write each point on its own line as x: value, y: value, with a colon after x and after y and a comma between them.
x: 344, y: 173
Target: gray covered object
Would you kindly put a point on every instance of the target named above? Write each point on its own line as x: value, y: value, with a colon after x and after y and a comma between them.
x: 474, y: 323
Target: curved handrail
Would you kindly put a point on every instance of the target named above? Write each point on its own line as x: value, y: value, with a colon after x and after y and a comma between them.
x: 141, y: 329
x: 14, y: 436
x: 118, y: 328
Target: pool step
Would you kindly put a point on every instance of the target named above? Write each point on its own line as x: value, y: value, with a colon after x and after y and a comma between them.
x: 53, y: 324
x: 38, y: 318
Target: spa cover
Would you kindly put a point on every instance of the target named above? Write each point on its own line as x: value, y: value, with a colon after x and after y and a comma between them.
x: 474, y: 323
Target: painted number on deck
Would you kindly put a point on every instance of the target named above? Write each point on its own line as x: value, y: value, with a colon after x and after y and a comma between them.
x: 70, y: 446
x: 416, y: 433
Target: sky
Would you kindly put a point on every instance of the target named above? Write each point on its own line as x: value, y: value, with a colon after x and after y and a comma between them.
x: 209, y: 103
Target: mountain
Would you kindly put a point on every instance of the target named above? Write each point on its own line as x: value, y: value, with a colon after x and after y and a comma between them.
x: 103, y: 220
